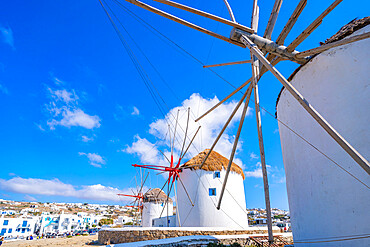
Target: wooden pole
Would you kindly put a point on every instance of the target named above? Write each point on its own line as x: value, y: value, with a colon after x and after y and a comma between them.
x: 205, y: 14
x: 177, y: 206
x: 292, y: 20
x: 229, y: 63
x: 222, y: 101
x: 248, y: 93
x: 233, y: 151
x: 312, y: 26
x: 183, y: 22
x: 255, y: 76
x: 273, y: 17
x: 192, y: 204
x: 191, y: 142
x: 333, y: 44
x: 356, y: 156
x: 230, y: 10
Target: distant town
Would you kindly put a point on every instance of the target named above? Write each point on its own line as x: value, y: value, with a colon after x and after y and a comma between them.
x: 21, y: 220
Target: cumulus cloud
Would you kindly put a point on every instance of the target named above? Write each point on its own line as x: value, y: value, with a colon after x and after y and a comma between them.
x: 210, y: 128
x: 256, y: 172
x: 55, y: 187
x: 94, y: 159
x: 65, y: 111
x: 135, y: 111
x: 7, y: 36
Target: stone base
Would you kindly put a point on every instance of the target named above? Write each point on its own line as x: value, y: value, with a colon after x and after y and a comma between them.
x: 135, y: 234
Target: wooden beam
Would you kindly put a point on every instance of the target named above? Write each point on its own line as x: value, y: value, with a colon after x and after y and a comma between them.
x: 273, y: 17
x: 255, y: 77
x: 183, y: 22
x: 255, y: 16
x: 247, y: 93
x: 233, y: 151
x: 292, y: 20
x: 356, y: 156
x: 232, y: 17
x: 222, y: 101
x: 268, y: 46
x: 224, y: 64
x: 204, y: 14
x: 312, y: 26
x: 333, y: 44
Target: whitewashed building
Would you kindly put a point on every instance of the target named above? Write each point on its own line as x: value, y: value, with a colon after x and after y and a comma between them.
x: 325, y: 201
x: 22, y: 226
x: 64, y: 223
x: 204, y: 187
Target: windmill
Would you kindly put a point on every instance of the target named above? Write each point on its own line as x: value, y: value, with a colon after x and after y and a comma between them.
x: 139, y: 196
x: 265, y: 54
x: 174, y: 167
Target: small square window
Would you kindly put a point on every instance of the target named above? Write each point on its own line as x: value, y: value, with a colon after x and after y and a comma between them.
x: 212, y: 191
x: 6, y: 222
x: 10, y: 230
x: 217, y: 175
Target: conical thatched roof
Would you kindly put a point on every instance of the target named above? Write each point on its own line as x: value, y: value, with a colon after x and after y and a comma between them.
x: 156, y: 195
x: 215, y: 162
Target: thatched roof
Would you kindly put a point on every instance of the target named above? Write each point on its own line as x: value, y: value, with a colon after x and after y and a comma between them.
x: 156, y: 195
x: 215, y: 162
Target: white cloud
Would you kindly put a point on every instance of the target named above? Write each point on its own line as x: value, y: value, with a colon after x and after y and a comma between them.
x: 253, y: 156
x: 7, y: 34
x: 39, y: 126
x: 211, y: 126
x: 55, y: 187
x: 3, y: 89
x: 147, y: 152
x: 65, y: 111
x: 135, y: 111
x: 87, y: 139
x: 94, y: 159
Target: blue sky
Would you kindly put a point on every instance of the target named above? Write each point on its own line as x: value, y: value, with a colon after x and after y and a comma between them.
x: 76, y: 114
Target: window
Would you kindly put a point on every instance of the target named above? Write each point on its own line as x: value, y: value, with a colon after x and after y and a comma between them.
x: 212, y: 191
x: 217, y: 175
x: 3, y: 231
x: 24, y: 224
x: 23, y: 230
x: 6, y: 222
x: 10, y: 230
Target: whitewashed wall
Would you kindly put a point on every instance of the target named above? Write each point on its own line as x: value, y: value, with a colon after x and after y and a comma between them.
x: 152, y: 210
x: 204, y: 213
x: 324, y: 200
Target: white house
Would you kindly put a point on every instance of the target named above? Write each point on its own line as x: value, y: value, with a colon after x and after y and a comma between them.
x: 23, y: 226
x: 204, y: 186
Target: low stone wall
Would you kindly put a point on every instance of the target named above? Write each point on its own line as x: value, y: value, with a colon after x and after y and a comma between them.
x: 127, y: 235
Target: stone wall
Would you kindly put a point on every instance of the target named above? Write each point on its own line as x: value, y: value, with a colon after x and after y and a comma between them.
x: 124, y: 235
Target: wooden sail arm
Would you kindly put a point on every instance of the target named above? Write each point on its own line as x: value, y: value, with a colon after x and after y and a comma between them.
x: 356, y: 156
x: 333, y: 44
x: 225, y: 64
x: 207, y: 15
x: 183, y: 22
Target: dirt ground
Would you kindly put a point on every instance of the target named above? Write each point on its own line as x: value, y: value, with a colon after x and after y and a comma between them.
x: 76, y: 241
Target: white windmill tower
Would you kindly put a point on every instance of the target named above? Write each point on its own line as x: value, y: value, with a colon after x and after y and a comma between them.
x: 204, y: 184
x: 155, y: 202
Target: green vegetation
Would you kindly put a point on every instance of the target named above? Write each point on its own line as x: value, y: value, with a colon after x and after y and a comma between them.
x: 105, y: 222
